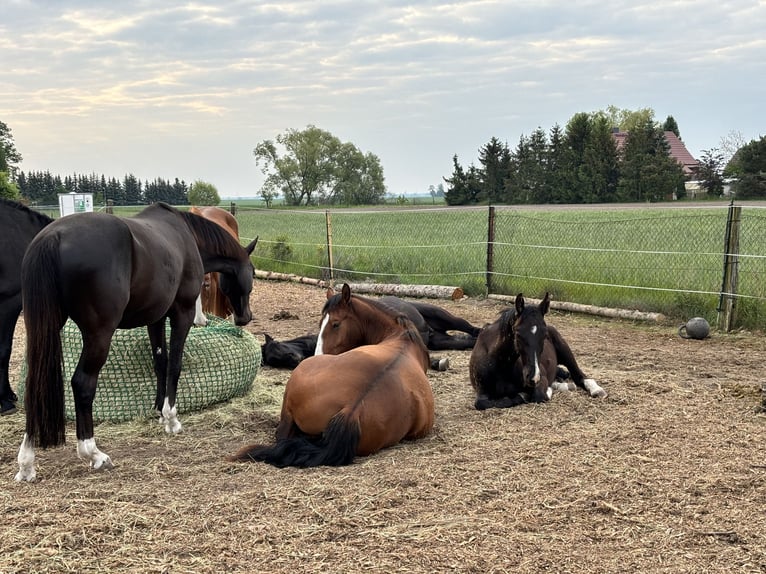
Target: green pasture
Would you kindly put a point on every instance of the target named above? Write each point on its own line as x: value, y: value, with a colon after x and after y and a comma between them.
x: 662, y: 260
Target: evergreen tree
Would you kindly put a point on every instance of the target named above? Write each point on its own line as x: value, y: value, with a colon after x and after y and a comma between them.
x: 710, y: 172
x: 495, y: 160
x: 751, y: 170
x: 464, y: 187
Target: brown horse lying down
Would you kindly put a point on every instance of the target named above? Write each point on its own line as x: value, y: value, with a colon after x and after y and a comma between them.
x: 516, y: 359
x: 352, y: 400
x: 212, y: 299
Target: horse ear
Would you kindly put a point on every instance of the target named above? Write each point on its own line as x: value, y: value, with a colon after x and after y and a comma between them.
x: 268, y: 337
x: 251, y: 246
x: 545, y: 304
x: 330, y: 292
x: 519, y: 303
x: 346, y: 293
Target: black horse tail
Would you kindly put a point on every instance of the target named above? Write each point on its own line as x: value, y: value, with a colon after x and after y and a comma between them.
x: 336, y: 447
x: 44, y: 318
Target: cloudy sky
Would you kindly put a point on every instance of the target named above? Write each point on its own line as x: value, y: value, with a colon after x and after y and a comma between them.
x: 188, y: 89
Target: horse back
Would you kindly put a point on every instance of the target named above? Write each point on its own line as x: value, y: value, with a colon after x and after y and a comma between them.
x: 391, y: 399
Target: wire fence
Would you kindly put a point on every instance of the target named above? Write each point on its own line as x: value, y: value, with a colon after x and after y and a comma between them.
x: 680, y: 262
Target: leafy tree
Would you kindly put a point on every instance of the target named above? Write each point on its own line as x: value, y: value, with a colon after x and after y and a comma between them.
x: 728, y: 146
x: 710, y: 172
x: 317, y: 167
x: 599, y: 171
x: 9, y: 155
x: 751, y: 170
x: 8, y: 189
x: 203, y: 193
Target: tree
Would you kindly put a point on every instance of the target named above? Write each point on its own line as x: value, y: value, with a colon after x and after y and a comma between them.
x: 495, y: 160
x: 670, y: 125
x: 10, y: 158
x: 464, y: 187
x: 710, y: 172
x: 203, y: 193
x: 316, y: 166
x: 751, y: 170
x: 648, y: 173
x: 8, y: 189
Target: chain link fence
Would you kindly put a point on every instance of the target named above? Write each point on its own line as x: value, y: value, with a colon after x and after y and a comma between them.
x: 664, y: 260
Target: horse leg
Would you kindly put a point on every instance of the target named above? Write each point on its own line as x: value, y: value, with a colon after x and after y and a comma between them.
x: 439, y: 341
x: 483, y: 402
x: 180, y: 324
x: 200, y: 320
x: 8, y: 317
x: 95, y: 349
x: 564, y: 356
x: 441, y: 320
x: 160, y: 360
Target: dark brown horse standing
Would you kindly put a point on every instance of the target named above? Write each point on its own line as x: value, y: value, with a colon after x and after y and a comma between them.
x: 108, y: 272
x: 353, y: 400
x: 516, y: 359
x: 212, y: 300
x: 18, y: 226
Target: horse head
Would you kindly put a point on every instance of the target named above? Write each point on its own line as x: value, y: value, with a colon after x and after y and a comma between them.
x: 341, y: 328
x: 529, y: 335
x: 236, y: 285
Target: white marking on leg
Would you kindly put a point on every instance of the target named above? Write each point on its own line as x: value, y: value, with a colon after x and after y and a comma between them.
x: 318, y: 350
x: 549, y: 393
x: 26, y: 460
x: 170, y: 418
x: 594, y: 389
x: 87, y: 450
x: 199, y: 317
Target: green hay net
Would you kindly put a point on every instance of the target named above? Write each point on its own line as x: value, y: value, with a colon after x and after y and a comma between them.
x: 220, y: 362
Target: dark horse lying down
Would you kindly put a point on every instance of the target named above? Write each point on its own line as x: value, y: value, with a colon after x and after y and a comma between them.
x: 19, y: 226
x: 368, y: 392
x: 431, y: 321
x: 108, y: 273
x: 516, y: 359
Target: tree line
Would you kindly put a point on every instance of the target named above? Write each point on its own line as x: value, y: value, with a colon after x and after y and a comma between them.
x: 578, y: 164
x: 42, y: 188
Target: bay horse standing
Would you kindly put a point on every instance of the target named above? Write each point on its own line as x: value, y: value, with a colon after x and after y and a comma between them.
x: 352, y: 400
x: 19, y: 225
x: 516, y: 359
x: 107, y: 273
x: 212, y: 300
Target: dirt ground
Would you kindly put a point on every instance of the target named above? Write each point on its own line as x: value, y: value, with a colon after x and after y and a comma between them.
x: 667, y: 474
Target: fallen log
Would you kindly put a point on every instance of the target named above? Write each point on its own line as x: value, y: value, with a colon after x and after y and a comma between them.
x: 432, y: 291
x: 630, y: 314
x: 274, y: 275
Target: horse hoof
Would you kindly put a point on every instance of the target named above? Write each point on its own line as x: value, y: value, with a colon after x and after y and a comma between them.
x: 8, y: 410
x: 443, y: 364
x: 26, y: 476
x: 103, y: 464
x: 594, y: 389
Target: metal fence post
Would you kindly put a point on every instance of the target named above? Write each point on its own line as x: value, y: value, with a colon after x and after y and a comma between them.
x: 727, y: 300
x: 490, y: 247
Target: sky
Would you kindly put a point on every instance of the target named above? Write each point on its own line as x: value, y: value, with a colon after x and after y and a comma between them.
x: 188, y: 89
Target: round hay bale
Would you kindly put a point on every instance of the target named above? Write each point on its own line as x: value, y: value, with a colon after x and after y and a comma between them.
x: 220, y: 362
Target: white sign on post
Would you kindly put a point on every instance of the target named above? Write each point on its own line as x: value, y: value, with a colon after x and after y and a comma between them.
x: 70, y: 203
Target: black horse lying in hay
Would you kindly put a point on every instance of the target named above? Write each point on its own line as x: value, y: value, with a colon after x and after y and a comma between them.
x: 516, y: 359
x: 432, y: 322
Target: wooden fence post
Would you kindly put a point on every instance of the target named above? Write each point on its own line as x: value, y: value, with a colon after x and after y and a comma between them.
x: 233, y: 208
x: 328, y: 224
x: 490, y: 247
x: 727, y: 300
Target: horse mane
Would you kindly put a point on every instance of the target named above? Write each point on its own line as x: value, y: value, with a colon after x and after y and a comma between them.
x: 29, y: 212
x: 211, y: 234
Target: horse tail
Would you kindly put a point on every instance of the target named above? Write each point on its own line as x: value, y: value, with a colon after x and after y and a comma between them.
x: 43, y: 317
x: 336, y: 447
